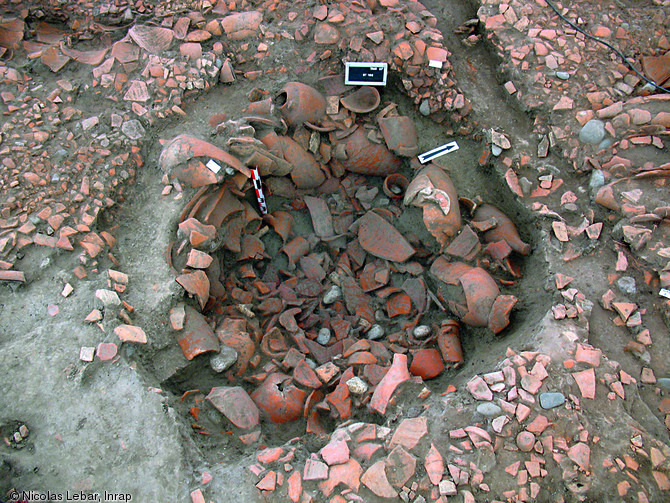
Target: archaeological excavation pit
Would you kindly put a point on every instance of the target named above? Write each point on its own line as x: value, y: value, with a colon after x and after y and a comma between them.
x: 367, y: 264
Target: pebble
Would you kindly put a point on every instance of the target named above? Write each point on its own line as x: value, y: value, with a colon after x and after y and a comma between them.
x: 563, y: 75
x: 551, y: 400
x: 223, y: 360
x: 664, y: 382
x: 525, y: 441
x: 488, y: 409
x: 421, y: 331
x: 627, y: 285
x: 606, y: 143
x: 133, y: 129
x: 525, y: 184
x: 324, y: 336
x: 23, y: 431
x: 357, y: 386
x: 424, y: 108
x: 496, y: 150
x: 597, y: 179
x: 333, y: 294
x: 593, y: 132
x: 109, y: 298
x: 375, y: 332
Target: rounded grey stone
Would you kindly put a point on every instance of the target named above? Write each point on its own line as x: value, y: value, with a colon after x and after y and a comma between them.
x: 597, y: 179
x: 223, y: 360
x: 551, y: 400
x: 664, y: 382
x: 324, y: 336
x: 421, y: 331
x: 357, y: 386
x: 334, y: 293
x: 627, y: 285
x: 496, y: 150
x: 133, y: 129
x: 593, y: 132
x: 606, y: 143
x: 488, y: 409
x: 375, y: 332
x: 424, y: 108
x: 109, y: 298
x: 563, y: 75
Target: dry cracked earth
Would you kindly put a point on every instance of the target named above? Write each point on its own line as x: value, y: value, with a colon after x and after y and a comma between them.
x: 487, y: 326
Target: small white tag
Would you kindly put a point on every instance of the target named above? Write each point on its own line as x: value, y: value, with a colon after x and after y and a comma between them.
x: 211, y: 164
x: 664, y: 293
x: 435, y: 64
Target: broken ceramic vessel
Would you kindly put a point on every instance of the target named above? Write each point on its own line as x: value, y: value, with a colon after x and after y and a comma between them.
x: 306, y: 172
x: 504, y: 229
x: 364, y: 157
x: 181, y: 149
x: 299, y: 103
x: 434, y: 192
x: 363, y: 100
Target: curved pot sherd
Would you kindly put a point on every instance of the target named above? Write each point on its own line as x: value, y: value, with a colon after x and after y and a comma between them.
x: 505, y: 230
x: 400, y: 135
x: 433, y: 190
x: 278, y: 399
x: 182, y: 148
x: 480, y: 291
x: 298, y: 103
x: 363, y: 100
x: 306, y: 172
x: 367, y: 158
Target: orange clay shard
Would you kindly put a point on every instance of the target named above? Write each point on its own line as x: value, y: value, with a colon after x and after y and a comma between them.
x: 184, y: 147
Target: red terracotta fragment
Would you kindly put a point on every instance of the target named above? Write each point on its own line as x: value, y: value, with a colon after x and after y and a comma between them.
x: 480, y: 291
x: 400, y: 135
x: 233, y: 333
x: 396, y: 375
x: 358, y: 303
x: 294, y: 483
x: 433, y: 190
x: 399, y: 304
x: 182, y: 148
x: 448, y: 272
x: 241, y: 25
x: 153, y: 39
x: 305, y: 172
x: 197, y: 337
x: 299, y: 103
x: 449, y: 343
x: 410, y: 432
x: 400, y: 466
x: 504, y: 230
x: 236, y: 405
x: 196, y: 283
x: 268, y: 482
x: 365, y: 99
x: 367, y: 158
x: 348, y: 473
x: 500, y: 312
x: 278, y: 399
x: 130, y: 333
x: 426, y: 363
x: 303, y: 374
x: 375, y: 479
x: 434, y: 465
x: 379, y: 238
